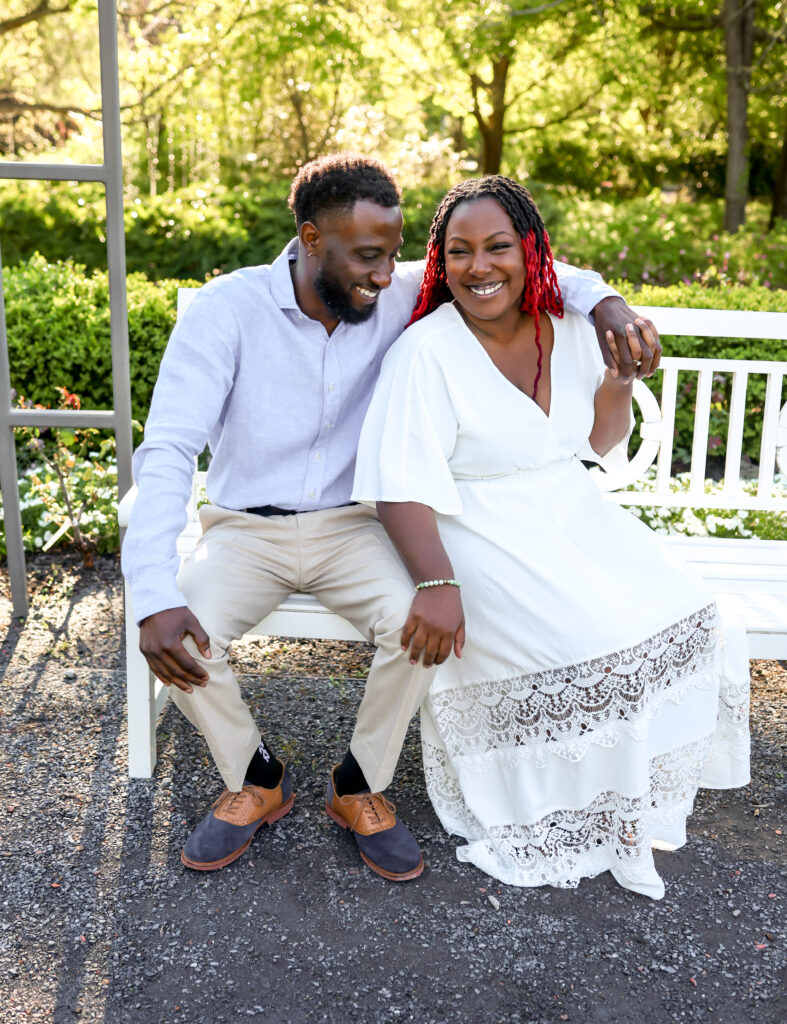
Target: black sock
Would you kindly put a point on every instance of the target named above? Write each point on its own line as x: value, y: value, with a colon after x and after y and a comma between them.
x: 348, y: 776
x: 264, y: 769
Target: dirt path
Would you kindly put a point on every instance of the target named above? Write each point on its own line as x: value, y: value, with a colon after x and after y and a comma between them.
x: 100, y: 922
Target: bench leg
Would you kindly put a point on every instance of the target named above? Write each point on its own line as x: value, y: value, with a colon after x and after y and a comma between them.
x: 145, y: 697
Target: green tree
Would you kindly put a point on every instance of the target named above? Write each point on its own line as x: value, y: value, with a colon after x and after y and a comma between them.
x: 750, y: 37
x: 496, y: 62
x: 47, y: 78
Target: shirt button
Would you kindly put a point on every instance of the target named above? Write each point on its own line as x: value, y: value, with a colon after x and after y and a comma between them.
x: 328, y: 426
x: 330, y: 387
x: 317, y: 457
x: 312, y: 494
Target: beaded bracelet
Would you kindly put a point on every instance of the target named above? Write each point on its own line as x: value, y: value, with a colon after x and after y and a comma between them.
x: 437, y: 583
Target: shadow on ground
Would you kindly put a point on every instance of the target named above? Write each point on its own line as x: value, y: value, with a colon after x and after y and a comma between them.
x: 101, y: 923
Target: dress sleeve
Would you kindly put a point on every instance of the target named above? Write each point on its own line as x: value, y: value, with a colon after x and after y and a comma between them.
x: 409, y: 434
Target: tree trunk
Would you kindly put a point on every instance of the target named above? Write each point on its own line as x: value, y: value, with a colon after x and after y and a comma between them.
x: 491, y: 127
x: 779, y: 207
x: 739, y: 40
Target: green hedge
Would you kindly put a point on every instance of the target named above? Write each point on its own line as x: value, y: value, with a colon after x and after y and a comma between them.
x: 194, y: 233
x: 57, y: 316
x: 648, y: 242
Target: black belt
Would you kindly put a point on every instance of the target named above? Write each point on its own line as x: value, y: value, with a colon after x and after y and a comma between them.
x: 271, y: 510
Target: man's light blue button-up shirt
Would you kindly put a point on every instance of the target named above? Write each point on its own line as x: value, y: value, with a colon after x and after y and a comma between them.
x: 279, y: 400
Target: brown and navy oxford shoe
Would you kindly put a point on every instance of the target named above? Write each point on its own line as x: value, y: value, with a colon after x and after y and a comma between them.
x: 384, y: 841
x: 225, y: 832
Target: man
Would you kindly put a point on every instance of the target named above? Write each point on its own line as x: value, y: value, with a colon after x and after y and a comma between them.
x: 274, y: 367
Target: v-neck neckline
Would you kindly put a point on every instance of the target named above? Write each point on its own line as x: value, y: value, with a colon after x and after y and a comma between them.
x: 499, y: 373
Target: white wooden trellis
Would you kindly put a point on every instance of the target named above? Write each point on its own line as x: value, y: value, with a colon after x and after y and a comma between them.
x: 110, y: 173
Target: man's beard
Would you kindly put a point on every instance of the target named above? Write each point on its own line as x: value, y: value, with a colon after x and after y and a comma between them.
x: 336, y: 298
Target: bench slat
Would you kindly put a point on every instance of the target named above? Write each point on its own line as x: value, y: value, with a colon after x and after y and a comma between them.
x: 669, y: 392
x: 699, y: 443
x: 732, y: 463
x: 306, y: 618
x: 731, y: 549
x: 770, y: 427
x: 716, y: 323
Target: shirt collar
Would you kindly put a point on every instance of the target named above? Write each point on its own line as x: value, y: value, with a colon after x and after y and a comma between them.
x: 282, y: 288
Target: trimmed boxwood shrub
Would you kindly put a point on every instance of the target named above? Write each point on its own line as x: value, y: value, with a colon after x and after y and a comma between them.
x: 57, y: 317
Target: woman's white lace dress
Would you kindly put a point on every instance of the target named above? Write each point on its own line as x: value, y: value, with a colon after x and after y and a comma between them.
x: 596, y: 690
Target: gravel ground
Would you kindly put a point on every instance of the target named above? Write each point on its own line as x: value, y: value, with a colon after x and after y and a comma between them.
x: 100, y: 923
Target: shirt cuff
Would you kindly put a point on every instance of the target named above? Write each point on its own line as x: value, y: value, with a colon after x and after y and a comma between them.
x: 155, y: 593
x: 603, y: 292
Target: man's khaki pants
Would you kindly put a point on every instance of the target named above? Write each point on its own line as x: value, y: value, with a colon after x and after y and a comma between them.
x: 243, y: 566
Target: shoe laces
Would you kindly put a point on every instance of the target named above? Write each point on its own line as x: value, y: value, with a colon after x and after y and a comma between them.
x: 368, y: 806
x: 232, y: 803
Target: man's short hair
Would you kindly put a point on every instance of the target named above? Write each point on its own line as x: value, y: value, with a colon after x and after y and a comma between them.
x: 335, y: 183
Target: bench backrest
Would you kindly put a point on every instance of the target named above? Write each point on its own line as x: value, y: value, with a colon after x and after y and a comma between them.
x: 658, y: 419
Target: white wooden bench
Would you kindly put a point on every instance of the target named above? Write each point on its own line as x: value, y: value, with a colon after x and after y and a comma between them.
x: 750, y: 574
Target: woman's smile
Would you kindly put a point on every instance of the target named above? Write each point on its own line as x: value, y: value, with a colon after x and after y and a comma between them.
x: 486, y: 289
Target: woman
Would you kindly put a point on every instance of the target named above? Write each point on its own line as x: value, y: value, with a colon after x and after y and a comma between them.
x: 572, y: 729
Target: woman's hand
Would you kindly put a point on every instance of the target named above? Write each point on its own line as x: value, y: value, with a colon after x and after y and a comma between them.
x: 644, y: 348
x: 435, y: 625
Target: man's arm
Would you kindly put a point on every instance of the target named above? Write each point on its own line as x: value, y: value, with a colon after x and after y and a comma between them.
x: 629, y: 343
x: 194, y: 380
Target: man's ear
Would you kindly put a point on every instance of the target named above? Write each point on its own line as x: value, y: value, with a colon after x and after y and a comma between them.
x: 310, y: 238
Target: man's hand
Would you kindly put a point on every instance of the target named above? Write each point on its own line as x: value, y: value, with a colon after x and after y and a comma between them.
x: 436, y: 624
x: 160, y: 640
x: 629, y: 343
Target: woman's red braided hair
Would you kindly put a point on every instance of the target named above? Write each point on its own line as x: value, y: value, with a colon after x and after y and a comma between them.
x: 541, y: 292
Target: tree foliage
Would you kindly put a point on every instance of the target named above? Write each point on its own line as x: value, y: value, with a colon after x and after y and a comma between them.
x: 608, y: 96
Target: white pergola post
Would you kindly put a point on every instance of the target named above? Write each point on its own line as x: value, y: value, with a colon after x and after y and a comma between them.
x: 110, y: 174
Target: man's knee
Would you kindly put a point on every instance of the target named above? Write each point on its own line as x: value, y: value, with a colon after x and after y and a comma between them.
x: 199, y: 584
x: 394, y: 610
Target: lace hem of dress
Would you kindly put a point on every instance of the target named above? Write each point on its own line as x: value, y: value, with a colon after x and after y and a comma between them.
x: 732, y: 734
x: 563, y: 711
x: 613, y: 832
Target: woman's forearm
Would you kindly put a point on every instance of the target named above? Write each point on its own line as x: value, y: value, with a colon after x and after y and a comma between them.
x: 613, y: 414
x: 436, y: 623
x: 413, y: 530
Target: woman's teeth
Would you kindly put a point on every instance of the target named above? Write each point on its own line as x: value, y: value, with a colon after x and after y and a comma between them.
x: 486, y: 289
